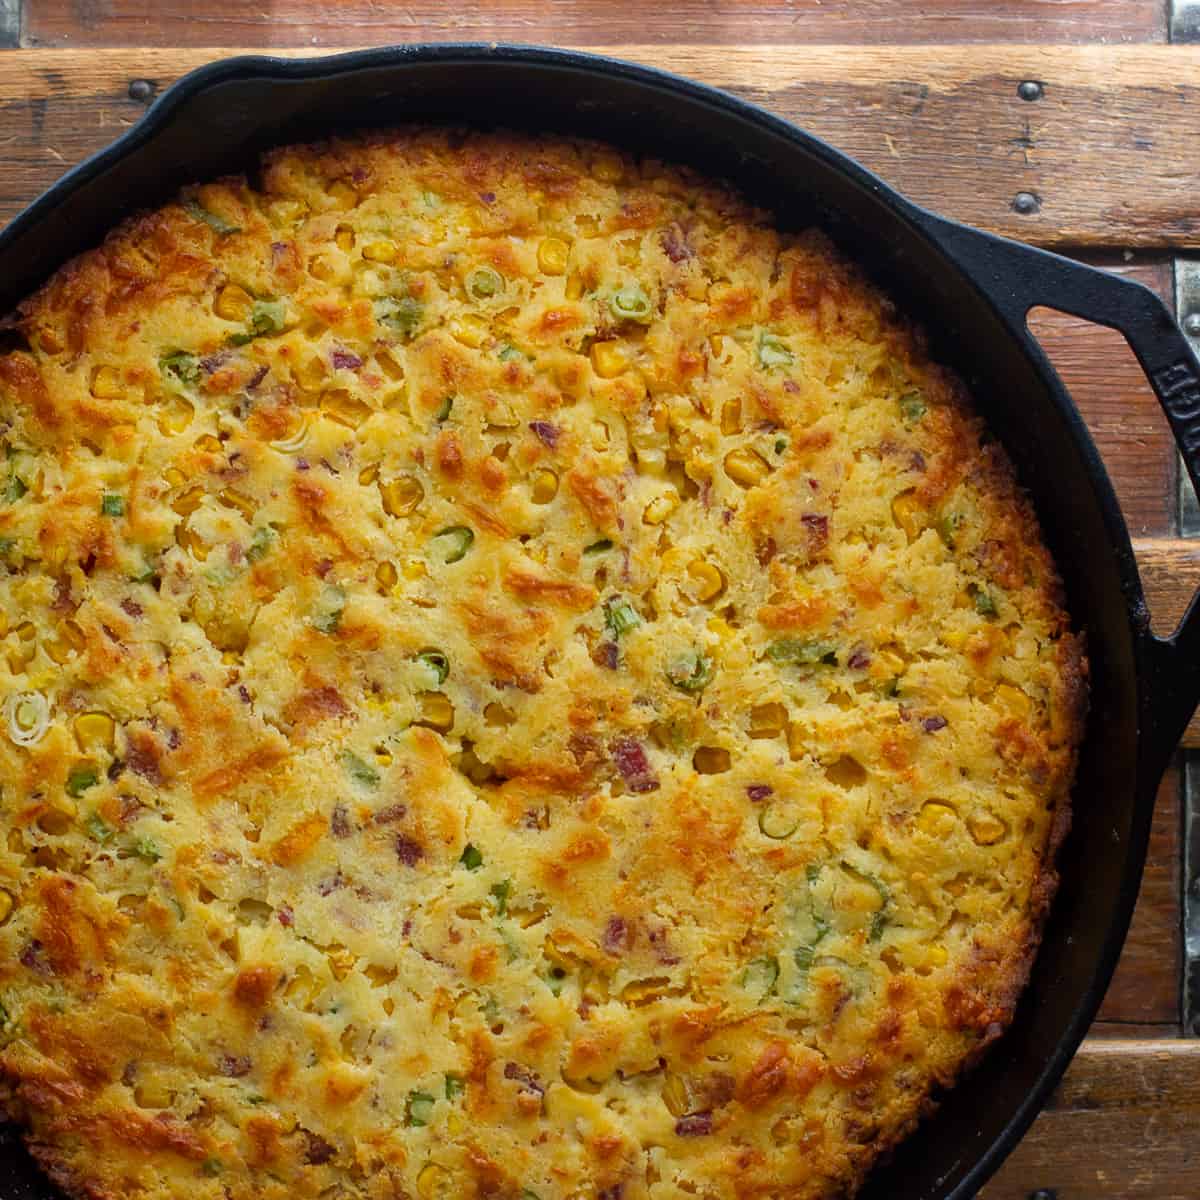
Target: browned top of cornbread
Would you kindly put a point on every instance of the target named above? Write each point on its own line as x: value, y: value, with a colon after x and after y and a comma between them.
x: 519, y: 680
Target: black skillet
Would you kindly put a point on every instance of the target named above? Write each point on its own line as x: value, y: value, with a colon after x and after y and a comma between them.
x: 971, y: 290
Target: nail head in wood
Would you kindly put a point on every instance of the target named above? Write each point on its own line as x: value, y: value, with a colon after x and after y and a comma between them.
x: 1191, y: 324
x: 1030, y: 89
x: 141, y: 89
x: 1026, y: 203
x: 1044, y: 1194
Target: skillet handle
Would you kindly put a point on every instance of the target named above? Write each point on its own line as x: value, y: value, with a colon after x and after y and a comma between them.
x: 1018, y: 277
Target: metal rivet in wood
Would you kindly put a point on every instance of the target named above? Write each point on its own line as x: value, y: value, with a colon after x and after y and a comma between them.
x: 1030, y: 89
x: 1026, y: 203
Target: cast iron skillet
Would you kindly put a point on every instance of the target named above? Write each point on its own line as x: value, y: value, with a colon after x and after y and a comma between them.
x: 971, y: 290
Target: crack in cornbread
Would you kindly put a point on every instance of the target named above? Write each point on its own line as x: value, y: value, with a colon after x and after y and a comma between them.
x: 519, y: 680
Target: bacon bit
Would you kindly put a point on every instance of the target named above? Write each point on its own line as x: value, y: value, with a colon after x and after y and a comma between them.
x: 116, y: 769
x: 408, y: 851
x: 618, y: 937
x: 339, y: 821
x: 759, y: 791
x: 142, y: 756
x: 765, y: 551
x: 287, y: 918
x: 586, y: 749
x: 634, y: 766
x: 658, y: 939
x: 214, y: 362
x: 257, y: 377
x: 344, y: 360
x: 934, y: 723
x: 131, y: 806
x: 816, y: 529
x: 606, y: 655
x: 31, y: 957
x: 525, y: 1077
x: 323, y: 567
x: 331, y: 884
x: 233, y: 1066
x: 694, y: 1125
x: 244, y: 694
x: 546, y: 433
x: 393, y: 812
x: 488, y: 197
x: 317, y: 1150
x: 62, y: 601
x: 674, y: 244
x: 859, y: 659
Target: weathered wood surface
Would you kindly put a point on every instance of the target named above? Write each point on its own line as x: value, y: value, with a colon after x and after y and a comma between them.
x: 1124, y: 1125
x: 1107, y: 153
x: 586, y: 22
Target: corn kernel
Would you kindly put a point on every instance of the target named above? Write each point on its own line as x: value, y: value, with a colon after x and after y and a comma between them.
x: 936, y: 956
x: 344, y: 239
x: 470, y: 330
x: 189, y: 501
x: 106, y: 383
x: 986, y: 829
x: 497, y: 714
x: 338, y: 405
x: 746, y: 468
x: 608, y: 359
x: 284, y: 212
x: 49, y: 341
x: 768, y: 720
x: 414, y: 569
x: 909, y: 514
x: 644, y: 991
x: 209, y: 444
x: 401, y: 495
x: 936, y: 819
x: 94, y: 730
x: 233, y: 303
x: 174, y: 477
x: 716, y: 343
x: 1014, y: 700
x: 386, y: 576
x: 711, y: 760
x: 6, y: 906
x: 660, y: 508
x: 731, y: 416
x: 552, y: 256
x: 388, y: 365
x: 342, y: 194
x: 705, y: 581
x: 231, y: 498
x: 192, y: 542
x: 381, y: 251
x: 544, y: 487
x: 676, y: 1095
x: 176, y: 418
x: 321, y: 267
x: 436, y: 711
x: 574, y: 288
x: 433, y: 1181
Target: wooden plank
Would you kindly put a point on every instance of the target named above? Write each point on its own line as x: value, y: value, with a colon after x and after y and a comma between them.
x: 1107, y: 153
x: 1121, y: 411
x: 1170, y: 570
x: 1123, y: 1125
x: 1145, y: 989
x: 588, y: 22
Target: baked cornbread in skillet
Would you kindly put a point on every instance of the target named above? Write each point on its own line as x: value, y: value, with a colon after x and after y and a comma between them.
x: 519, y: 679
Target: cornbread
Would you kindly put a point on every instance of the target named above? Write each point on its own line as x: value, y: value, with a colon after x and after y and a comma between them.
x: 519, y: 680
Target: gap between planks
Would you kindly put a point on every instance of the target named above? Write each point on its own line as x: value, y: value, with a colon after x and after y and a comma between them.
x: 1107, y: 153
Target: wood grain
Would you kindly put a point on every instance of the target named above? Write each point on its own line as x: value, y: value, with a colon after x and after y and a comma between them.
x: 1123, y: 1125
x: 1145, y: 989
x: 1107, y: 153
x: 586, y: 22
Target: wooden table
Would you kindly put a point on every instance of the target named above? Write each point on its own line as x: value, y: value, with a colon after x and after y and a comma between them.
x: 1100, y: 162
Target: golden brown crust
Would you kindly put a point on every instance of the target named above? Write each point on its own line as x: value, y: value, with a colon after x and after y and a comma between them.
x: 520, y: 680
